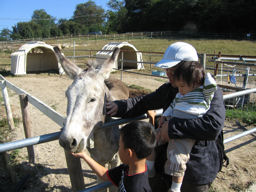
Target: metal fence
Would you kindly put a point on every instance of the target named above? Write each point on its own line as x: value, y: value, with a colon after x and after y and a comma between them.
x: 140, y: 35
x: 230, y: 70
x: 233, y: 70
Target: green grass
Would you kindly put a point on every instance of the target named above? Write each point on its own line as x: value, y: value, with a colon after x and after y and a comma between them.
x: 137, y: 87
x: 246, y: 115
x: 14, y: 157
x: 6, y: 136
x: 54, y: 107
x: 234, y: 47
x: 212, y: 189
x: 4, y: 128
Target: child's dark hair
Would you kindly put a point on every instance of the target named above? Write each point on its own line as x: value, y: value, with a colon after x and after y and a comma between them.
x: 139, y: 136
x: 192, y: 72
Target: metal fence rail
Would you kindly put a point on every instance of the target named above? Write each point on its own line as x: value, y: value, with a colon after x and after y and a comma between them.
x: 240, y: 135
x: 29, y: 141
x: 239, y: 93
x: 48, y: 111
x: 53, y: 136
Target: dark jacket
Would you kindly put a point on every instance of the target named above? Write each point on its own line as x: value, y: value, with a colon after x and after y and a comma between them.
x: 204, y: 162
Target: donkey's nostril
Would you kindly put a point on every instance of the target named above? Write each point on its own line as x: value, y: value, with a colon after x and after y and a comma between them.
x: 74, y: 143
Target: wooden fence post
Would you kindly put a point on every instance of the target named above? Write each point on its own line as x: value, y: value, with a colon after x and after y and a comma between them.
x: 26, y: 125
x: 9, y: 168
x: 150, y: 62
x: 217, y: 65
x: 246, y: 77
x: 7, y: 105
x: 203, y: 60
x: 74, y: 51
x: 75, y: 171
x: 122, y: 66
x: 10, y: 121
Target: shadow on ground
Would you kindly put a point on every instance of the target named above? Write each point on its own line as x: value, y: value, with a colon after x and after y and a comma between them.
x: 28, y: 178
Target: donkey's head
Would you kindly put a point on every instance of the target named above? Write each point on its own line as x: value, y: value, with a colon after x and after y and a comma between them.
x: 86, y: 100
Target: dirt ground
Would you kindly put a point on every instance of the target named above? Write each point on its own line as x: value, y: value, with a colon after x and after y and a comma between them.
x: 49, y: 173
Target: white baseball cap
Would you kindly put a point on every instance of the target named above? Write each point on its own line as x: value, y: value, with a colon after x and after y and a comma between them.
x: 177, y: 52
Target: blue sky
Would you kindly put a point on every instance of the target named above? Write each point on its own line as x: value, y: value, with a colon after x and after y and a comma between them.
x: 14, y: 11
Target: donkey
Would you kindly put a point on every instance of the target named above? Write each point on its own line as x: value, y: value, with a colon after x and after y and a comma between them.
x: 86, y: 112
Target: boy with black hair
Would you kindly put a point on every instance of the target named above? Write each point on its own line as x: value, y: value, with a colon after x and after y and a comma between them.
x: 137, y: 140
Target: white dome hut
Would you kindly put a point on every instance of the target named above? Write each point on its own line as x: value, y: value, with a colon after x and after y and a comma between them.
x: 34, y: 57
x: 132, y: 58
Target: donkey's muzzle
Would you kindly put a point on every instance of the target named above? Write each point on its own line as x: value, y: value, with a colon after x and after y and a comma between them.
x: 72, y: 144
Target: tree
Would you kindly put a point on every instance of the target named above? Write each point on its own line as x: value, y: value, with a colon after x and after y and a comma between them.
x: 42, y: 18
x: 116, y: 17
x: 138, y: 15
x: 68, y: 27
x: 5, y: 35
x: 45, y: 21
x: 23, y: 30
x: 55, y: 31
x: 64, y: 26
x: 36, y: 28
x: 89, y: 15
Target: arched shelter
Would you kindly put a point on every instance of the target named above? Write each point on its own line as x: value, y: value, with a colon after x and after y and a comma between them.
x: 34, y: 57
x: 132, y: 58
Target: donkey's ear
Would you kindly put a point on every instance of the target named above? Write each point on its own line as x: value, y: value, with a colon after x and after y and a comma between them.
x: 70, y: 68
x: 108, y: 65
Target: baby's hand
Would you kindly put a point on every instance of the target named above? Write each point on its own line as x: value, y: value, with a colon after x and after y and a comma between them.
x: 152, y: 116
x: 161, y: 121
x: 158, y: 136
x: 112, y: 108
x: 164, y: 137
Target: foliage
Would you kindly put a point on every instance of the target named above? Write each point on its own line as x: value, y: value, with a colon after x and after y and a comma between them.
x: 68, y: 27
x: 41, y: 25
x: 14, y: 157
x: 184, y: 16
x: 116, y: 17
x: 4, y: 128
x: 205, y: 16
x: 23, y: 29
x: 89, y: 15
x: 5, y: 35
x: 246, y: 115
x: 41, y: 18
x: 137, y: 87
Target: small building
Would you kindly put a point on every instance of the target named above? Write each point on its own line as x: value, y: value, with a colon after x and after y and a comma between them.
x: 131, y: 56
x: 35, y: 57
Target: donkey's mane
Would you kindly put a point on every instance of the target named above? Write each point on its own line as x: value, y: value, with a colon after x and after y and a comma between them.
x: 109, y: 84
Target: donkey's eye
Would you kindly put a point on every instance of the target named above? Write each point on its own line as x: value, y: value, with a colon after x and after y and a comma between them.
x: 92, y: 100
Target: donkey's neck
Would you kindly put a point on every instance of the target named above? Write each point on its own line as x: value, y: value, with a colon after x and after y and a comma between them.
x: 107, y: 98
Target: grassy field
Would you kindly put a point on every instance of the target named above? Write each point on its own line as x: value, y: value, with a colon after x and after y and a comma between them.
x: 233, y: 47
x: 85, y: 46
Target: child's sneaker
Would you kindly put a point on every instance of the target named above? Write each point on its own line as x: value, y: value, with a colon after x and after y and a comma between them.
x: 175, y: 187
